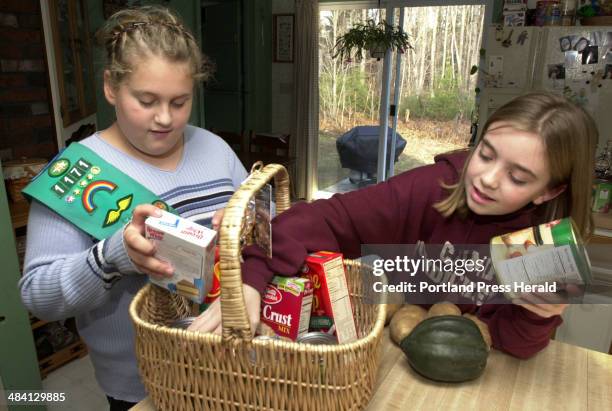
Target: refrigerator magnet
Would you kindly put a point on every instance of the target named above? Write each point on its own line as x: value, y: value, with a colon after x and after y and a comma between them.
x: 597, y: 38
x: 581, y: 44
x: 590, y: 55
x: 572, y: 59
x: 556, y: 71
x: 565, y: 43
x: 508, y: 41
x: 499, y: 33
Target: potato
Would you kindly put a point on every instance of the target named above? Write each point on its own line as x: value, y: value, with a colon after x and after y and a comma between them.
x: 394, y: 303
x: 404, y: 321
x: 391, y: 309
x: 443, y: 308
x: 483, y: 327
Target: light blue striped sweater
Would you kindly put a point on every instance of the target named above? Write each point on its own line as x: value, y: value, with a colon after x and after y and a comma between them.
x: 67, y: 274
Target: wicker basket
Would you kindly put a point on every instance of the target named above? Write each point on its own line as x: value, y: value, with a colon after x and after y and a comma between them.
x: 185, y: 370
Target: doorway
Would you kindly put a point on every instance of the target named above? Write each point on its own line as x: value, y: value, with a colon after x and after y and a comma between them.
x: 222, y: 43
x: 432, y: 98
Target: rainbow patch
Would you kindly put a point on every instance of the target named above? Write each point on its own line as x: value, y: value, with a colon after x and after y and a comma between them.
x: 92, y: 189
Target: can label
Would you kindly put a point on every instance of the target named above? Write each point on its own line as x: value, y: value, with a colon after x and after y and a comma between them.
x: 183, y: 323
x: 286, y: 306
x: 547, y: 253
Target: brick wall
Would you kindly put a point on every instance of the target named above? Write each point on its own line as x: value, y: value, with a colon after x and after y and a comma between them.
x: 26, y: 119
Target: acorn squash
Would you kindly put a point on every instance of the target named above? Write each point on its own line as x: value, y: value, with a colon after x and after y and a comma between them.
x: 446, y: 348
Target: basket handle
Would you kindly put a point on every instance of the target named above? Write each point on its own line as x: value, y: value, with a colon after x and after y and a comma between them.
x: 235, y: 322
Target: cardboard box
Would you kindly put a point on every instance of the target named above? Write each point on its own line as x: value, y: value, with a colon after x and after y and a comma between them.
x: 331, y: 302
x: 190, y: 248
x: 286, y: 306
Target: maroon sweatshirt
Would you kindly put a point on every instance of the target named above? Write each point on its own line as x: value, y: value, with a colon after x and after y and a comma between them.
x: 399, y: 211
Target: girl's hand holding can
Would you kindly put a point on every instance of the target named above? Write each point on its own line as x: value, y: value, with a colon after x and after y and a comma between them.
x: 547, y: 305
x: 140, y: 250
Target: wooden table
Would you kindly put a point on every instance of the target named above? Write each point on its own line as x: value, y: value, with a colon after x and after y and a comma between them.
x: 562, y: 377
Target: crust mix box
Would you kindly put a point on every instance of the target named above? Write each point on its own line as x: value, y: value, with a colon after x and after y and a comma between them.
x: 189, y: 248
x: 331, y: 301
x: 286, y: 306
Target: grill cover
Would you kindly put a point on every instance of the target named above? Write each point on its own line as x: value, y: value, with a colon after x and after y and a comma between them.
x: 358, y: 148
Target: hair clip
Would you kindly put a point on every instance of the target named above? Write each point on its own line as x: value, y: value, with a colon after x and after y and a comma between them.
x: 136, y: 25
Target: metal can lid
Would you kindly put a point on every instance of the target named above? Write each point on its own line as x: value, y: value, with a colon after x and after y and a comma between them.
x: 318, y: 338
x: 182, y: 323
x: 564, y: 232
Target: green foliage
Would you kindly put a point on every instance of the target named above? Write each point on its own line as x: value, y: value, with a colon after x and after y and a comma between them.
x: 446, y: 103
x: 370, y: 36
x: 355, y: 88
x: 587, y: 11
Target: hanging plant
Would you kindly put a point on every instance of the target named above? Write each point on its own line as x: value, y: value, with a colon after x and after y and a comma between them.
x: 376, y: 38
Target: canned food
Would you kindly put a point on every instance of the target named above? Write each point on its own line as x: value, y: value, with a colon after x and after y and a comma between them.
x: 568, y: 12
x: 540, y: 256
x: 182, y: 323
x: 318, y: 338
x: 548, y: 13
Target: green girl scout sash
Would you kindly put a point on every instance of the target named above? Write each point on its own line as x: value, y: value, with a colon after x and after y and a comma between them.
x: 89, y: 192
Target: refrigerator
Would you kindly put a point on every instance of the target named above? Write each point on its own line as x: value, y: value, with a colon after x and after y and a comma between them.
x: 575, y: 61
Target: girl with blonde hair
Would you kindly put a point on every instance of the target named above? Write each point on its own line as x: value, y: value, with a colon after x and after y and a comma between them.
x: 533, y: 164
x: 153, y: 67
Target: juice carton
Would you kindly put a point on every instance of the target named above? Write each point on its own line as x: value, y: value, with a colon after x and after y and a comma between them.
x: 331, y: 301
x: 602, y: 196
x: 189, y: 248
x: 286, y: 306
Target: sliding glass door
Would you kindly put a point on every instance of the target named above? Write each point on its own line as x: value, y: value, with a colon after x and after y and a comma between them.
x: 425, y: 96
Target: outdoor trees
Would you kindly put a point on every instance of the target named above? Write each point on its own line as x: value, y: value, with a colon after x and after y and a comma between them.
x: 435, y: 75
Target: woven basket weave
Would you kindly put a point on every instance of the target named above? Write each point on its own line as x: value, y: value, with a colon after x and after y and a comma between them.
x: 184, y: 370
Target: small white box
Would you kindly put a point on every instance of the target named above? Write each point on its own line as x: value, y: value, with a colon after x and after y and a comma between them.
x: 189, y: 247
